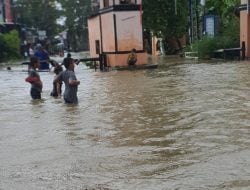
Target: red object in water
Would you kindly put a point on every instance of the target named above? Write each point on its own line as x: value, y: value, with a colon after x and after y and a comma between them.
x: 31, y: 79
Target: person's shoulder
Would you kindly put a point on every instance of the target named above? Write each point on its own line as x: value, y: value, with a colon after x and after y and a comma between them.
x: 33, y: 72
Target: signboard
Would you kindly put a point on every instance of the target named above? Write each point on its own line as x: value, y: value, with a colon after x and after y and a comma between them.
x: 211, y: 25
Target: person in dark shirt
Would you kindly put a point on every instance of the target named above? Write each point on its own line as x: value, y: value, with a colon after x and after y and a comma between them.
x: 57, y: 86
x: 76, y: 61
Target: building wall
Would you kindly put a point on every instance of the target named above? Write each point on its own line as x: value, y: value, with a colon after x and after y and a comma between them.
x: 121, y: 59
x: 8, y: 11
x: 94, y: 34
x: 119, y: 31
x: 108, y: 32
x: 129, y: 31
x: 244, y: 28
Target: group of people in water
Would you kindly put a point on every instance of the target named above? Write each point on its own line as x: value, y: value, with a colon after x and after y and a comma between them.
x: 66, y: 76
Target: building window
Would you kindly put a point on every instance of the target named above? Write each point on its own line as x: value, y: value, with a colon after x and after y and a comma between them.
x: 97, y: 47
x: 106, y: 3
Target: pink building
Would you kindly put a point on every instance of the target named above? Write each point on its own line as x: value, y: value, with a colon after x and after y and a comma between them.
x: 245, y: 25
x: 6, y: 11
x: 115, y: 29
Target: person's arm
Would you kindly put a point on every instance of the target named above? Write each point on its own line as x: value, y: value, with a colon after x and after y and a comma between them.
x: 135, y: 57
x: 129, y: 55
x: 77, y: 61
x: 58, y: 78
x: 31, y: 79
x: 38, y: 81
x: 58, y: 88
x: 72, y: 80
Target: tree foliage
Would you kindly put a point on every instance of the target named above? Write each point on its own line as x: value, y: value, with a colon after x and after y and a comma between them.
x: 9, y: 45
x: 168, y: 18
x: 226, y: 9
x: 76, y: 14
x: 164, y: 17
x: 44, y: 14
x: 40, y: 14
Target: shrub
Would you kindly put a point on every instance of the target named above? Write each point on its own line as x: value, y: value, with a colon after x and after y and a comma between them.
x: 12, y: 42
x: 205, y: 47
x: 228, y: 38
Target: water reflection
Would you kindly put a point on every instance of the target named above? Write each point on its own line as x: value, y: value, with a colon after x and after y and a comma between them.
x: 181, y: 126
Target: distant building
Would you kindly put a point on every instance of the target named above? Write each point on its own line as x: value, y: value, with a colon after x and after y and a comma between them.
x: 6, y: 15
x: 8, y: 22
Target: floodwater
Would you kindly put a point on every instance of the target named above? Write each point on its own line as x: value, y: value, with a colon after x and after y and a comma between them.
x: 179, y: 127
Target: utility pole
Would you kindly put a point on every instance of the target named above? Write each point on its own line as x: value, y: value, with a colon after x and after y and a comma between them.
x: 191, y: 23
x: 197, y: 20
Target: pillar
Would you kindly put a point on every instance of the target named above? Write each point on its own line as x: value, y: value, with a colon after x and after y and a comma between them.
x: 244, y: 27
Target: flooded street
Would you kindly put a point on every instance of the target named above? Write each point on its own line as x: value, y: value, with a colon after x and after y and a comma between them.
x: 179, y: 127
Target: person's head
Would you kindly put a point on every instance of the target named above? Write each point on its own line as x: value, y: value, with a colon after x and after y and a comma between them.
x: 133, y: 50
x: 34, y: 62
x: 69, y: 55
x: 68, y: 63
x: 39, y: 47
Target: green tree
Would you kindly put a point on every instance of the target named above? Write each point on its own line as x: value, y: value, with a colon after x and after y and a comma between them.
x: 9, y: 45
x: 76, y: 14
x: 229, y: 27
x: 226, y: 9
x: 12, y: 40
x: 40, y: 14
x: 166, y: 18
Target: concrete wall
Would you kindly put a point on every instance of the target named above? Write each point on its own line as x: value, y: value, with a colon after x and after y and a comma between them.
x: 108, y: 33
x: 129, y: 31
x: 94, y: 34
x: 121, y: 59
x: 244, y: 28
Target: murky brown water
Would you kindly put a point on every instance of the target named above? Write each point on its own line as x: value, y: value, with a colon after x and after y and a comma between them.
x: 182, y: 127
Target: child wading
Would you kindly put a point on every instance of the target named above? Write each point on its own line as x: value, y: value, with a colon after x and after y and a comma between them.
x: 34, y: 79
x: 132, y: 58
x: 57, y: 86
x: 71, y: 83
